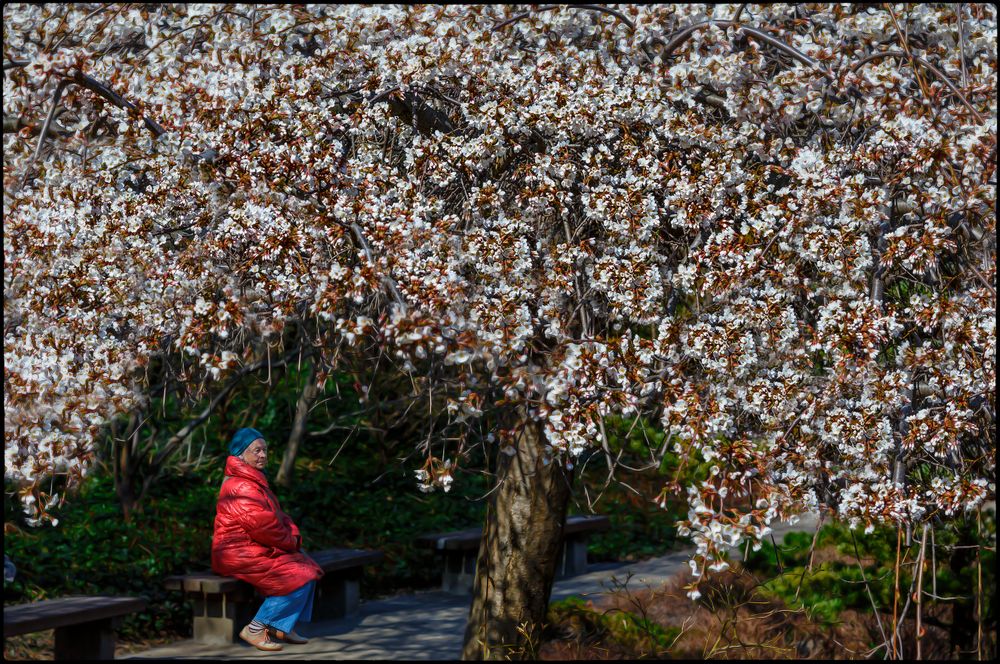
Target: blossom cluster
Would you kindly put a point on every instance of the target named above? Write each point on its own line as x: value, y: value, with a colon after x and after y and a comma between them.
x: 772, y: 227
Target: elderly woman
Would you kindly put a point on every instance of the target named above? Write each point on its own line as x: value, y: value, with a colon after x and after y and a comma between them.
x: 256, y: 542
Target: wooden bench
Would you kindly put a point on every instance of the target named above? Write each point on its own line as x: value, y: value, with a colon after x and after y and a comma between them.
x: 460, y: 549
x: 84, y: 626
x: 223, y: 605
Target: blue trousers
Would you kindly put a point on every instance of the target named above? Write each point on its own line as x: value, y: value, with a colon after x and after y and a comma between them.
x: 283, y: 611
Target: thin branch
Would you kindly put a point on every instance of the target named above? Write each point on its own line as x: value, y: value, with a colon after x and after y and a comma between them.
x: 792, y: 51
x: 606, y: 10
x: 45, y: 129
x: 961, y: 44
x: 685, y: 33
x: 169, y: 37
x: 14, y: 124
x: 48, y: 119
x: 934, y: 70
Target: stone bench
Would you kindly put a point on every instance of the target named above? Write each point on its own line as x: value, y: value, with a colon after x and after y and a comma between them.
x: 460, y: 549
x: 84, y: 626
x: 223, y: 605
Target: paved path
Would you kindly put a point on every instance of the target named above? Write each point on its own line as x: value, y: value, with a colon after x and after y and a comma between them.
x: 428, y: 625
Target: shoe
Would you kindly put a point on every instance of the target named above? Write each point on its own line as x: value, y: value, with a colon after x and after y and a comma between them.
x: 260, y: 641
x: 288, y: 637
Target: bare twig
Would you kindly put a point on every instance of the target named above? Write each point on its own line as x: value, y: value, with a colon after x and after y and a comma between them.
x: 178, y: 438
x: 920, y: 583
x: 812, y: 551
x: 871, y: 598
x: 979, y: 586
x: 895, y: 594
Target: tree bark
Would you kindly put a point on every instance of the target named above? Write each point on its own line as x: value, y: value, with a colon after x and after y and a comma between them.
x: 306, y: 399
x: 519, y: 552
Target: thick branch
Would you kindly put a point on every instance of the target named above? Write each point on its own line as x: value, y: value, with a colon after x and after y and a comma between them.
x: 94, y: 85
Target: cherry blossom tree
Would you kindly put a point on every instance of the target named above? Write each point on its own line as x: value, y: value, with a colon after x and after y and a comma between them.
x: 769, y: 227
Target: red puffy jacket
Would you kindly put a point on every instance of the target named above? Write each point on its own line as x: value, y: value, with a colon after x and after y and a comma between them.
x: 254, y: 540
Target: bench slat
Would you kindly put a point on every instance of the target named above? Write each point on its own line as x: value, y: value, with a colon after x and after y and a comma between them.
x: 332, y: 560
x: 53, y: 613
x: 459, y: 540
x: 468, y: 539
x: 205, y: 582
x: 586, y: 523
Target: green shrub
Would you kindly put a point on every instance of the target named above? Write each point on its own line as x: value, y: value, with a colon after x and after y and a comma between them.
x: 635, y: 635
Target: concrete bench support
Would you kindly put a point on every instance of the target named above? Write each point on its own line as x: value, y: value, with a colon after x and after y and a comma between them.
x: 338, y: 595
x: 573, y: 560
x: 459, y: 573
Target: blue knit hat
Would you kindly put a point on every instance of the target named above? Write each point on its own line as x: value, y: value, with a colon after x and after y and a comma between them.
x: 242, y: 439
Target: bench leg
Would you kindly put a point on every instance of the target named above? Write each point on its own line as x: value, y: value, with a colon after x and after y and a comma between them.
x: 218, y: 618
x: 574, y: 557
x: 338, y: 595
x: 459, y: 575
x: 90, y: 640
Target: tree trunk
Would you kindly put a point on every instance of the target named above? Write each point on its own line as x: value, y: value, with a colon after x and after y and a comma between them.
x: 518, y: 553
x: 306, y: 399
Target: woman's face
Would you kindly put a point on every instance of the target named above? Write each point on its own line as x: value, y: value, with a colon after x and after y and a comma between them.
x: 256, y: 454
